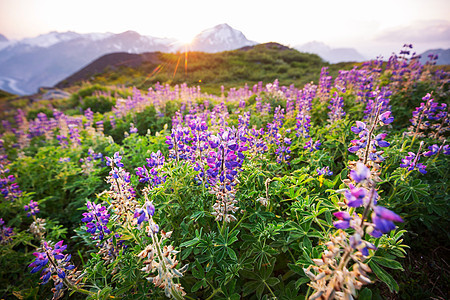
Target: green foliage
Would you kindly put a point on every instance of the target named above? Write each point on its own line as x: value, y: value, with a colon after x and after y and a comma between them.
x: 263, y: 254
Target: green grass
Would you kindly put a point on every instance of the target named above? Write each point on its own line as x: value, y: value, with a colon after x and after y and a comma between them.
x: 264, y: 62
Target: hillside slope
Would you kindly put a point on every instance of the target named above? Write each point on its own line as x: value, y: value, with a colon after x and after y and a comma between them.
x: 251, y: 64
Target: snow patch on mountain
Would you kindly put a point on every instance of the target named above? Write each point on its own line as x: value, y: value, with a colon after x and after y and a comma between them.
x: 51, y: 38
x: 219, y: 38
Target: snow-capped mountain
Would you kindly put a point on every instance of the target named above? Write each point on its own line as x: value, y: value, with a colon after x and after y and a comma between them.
x: 28, y: 64
x: 51, y: 38
x: 332, y: 55
x: 443, y: 56
x: 219, y: 38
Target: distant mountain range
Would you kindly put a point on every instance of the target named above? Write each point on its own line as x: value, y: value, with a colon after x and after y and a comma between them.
x: 332, y: 55
x: 443, y: 56
x: 30, y: 63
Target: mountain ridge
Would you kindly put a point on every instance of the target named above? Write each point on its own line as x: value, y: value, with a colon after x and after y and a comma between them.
x: 332, y: 55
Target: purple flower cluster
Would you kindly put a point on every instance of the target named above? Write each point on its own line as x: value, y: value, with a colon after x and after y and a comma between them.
x: 225, y: 158
x: 366, y: 146
x: 74, y: 135
x: 89, y: 114
x: 9, y: 189
x: 52, y: 261
x: 377, y: 100
x: 145, y: 214
x: 256, y: 143
x: 5, y: 233
x: 303, y: 125
x: 87, y: 163
x: 133, y: 129
x: 435, y: 149
x: 119, y: 179
x: 150, y: 175
x: 359, y: 194
x: 325, y: 171
x: 32, y: 207
x: 177, y: 143
x: 336, y: 106
x: 312, y: 145
x: 430, y: 115
x: 225, y: 161
x: 411, y: 162
x: 325, y: 80
x: 96, y: 220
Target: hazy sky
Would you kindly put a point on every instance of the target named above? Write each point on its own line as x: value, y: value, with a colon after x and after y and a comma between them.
x: 373, y: 27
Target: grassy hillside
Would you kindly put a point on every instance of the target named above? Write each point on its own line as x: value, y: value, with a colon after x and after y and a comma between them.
x: 264, y: 62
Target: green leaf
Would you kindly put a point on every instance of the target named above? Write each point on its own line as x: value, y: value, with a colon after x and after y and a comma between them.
x: 272, y: 281
x: 301, y: 281
x: 250, y: 287
x: 197, y: 285
x: 249, y: 274
x: 365, y: 294
x: 260, y: 290
x: 388, y: 263
x: 307, y: 244
x: 384, y: 276
x: 232, y: 254
x: 297, y: 269
x: 192, y: 242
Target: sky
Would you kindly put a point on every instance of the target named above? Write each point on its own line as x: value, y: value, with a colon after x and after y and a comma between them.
x: 372, y: 27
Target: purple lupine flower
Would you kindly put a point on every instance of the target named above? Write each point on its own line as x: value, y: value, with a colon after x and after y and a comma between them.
x: 362, y: 246
x: 312, y: 145
x: 60, y: 262
x: 336, y: 107
x: 5, y: 233
x: 145, y: 214
x: 355, y: 196
x: 434, y: 149
x: 379, y: 140
x: 325, y: 171
x: 96, y: 220
x: 344, y: 220
x: 360, y: 126
x: 384, y: 219
x: 9, y: 189
x: 151, y: 175
x: 74, y: 134
x: 133, y: 129
x: 411, y: 162
x: 33, y: 207
x: 446, y: 149
x: 360, y: 174
x: 386, y: 118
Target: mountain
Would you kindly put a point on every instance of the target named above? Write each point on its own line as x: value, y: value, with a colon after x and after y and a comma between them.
x: 332, y: 55
x: 3, y: 38
x: 443, y: 56
x: 110, y: 62
x: 219, y: 38
x: 30, y: 63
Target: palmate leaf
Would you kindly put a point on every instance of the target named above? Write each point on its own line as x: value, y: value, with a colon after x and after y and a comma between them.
x: 260, y: 279
x: 222, y: 243
x: 413, y: 189
x: 263, y: 253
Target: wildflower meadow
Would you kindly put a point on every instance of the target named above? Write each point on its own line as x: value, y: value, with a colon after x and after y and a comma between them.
x: 333, y: 190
